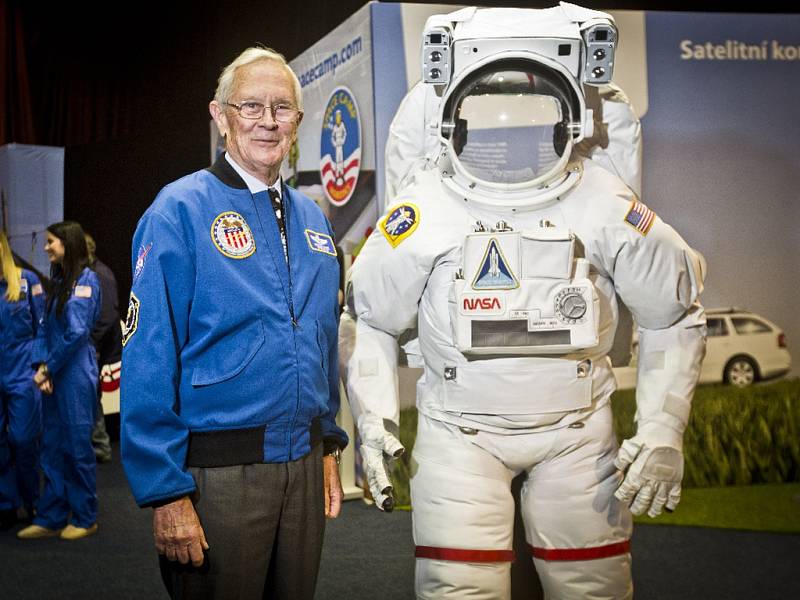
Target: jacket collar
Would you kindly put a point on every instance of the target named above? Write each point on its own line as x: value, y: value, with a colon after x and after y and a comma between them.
x: 223, y: 171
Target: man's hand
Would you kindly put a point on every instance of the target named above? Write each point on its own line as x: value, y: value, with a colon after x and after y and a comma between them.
x: 333, y: 486
x: 377, y: 449
x: 652, y: 477
x: 178, y: 533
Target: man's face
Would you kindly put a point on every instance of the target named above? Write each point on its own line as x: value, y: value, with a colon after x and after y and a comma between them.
x: 258, y: 145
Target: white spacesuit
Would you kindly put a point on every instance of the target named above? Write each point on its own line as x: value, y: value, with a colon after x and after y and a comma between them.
x: 413, y: 143
x: 508, y: 257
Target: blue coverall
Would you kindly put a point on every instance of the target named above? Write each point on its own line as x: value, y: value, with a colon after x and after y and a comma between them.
x: 68, y: 460
x: 20, y: 405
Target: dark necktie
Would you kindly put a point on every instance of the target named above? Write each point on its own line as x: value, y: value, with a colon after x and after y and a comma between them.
x: 277, y: 206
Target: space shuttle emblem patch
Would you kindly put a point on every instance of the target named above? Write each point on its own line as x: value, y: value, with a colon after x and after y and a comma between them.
x: 494, y: 272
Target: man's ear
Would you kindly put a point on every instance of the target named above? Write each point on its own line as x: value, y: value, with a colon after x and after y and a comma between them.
x: 220, y: 118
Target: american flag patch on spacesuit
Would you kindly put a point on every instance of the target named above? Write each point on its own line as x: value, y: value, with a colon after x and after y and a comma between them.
x: 640, y: 217
x: 83, y: 291
x: 399, y: 223
x: 36, y: 290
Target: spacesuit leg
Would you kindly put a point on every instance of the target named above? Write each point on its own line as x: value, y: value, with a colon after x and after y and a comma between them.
x: 463, y: 517
x: 578, y: 533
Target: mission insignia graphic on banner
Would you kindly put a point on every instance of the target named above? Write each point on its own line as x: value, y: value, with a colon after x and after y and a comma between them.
x: 340, y: 147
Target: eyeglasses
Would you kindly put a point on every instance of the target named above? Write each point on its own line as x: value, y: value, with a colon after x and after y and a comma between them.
x: 281, y: 113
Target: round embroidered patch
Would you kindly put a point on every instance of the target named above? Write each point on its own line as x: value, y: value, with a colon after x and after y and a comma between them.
x: 232, y: 235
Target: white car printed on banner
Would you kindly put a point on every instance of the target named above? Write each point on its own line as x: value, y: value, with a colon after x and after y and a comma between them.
x: 742, y: 348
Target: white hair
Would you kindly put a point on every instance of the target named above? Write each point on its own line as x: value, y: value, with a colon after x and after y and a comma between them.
x: 249, y: 56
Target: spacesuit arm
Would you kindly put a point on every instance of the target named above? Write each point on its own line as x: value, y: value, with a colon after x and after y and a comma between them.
x: 153, y: 436
x: 666, y: 306
x: 616, y: 144
x: 386, y: 284
x: 80, y: 311
x: 410, y: 144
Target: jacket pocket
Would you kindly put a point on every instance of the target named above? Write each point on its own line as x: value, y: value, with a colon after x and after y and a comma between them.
x: 228, y: 355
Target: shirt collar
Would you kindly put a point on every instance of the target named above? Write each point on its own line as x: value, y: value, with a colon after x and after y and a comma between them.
x: 253, y: 184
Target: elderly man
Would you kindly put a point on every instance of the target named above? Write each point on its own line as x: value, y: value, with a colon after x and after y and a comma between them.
x: 230, y: 388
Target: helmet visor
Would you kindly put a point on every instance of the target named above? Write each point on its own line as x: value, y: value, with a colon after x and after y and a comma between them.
x: 509, y: 127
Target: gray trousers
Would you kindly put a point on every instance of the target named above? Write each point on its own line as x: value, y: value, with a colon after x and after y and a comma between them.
x: 264, y: 525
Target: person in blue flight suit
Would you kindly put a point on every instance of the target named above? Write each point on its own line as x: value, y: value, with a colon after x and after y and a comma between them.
x: 66, y: 372
x: 230, y: 379
x: 21, y: 308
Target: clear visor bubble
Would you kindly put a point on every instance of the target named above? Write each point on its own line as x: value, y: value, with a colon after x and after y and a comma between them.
x: 509, y: 128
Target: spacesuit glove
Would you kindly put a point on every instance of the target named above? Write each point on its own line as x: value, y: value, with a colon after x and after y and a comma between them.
x: 378, y: 449
x: 653, y: 470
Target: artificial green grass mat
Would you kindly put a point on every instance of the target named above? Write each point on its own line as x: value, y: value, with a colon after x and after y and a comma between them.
x: 735, y: 437
x: 771, y: 507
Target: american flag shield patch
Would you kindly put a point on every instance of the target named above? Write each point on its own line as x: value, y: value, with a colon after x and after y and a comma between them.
x: 232, y: 235
x: 640, y: 217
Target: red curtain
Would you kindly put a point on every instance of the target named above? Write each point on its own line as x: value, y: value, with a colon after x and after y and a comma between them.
x: 55, y: 90
x: 16, y: 108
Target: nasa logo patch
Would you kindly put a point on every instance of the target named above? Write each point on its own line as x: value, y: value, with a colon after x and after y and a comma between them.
x: 232, y: 235
x: 340, y: 147
x: 320, y: 242
x: 399, y: 223
x: 132, y: 320
x: 141, y: 258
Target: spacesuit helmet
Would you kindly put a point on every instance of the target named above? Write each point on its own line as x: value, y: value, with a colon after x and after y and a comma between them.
x: 507, y: 123
x: 512, y: 100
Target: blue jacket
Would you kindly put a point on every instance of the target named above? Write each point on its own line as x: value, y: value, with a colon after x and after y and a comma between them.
x: 220, y: 334
x: 19, y: 321
x: 67, y: 344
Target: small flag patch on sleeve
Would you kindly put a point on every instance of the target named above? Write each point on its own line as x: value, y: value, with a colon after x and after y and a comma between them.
x: 640, y: 217
x: 83, y: 291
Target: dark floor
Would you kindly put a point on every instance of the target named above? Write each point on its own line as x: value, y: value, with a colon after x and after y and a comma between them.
x: 369, y: 555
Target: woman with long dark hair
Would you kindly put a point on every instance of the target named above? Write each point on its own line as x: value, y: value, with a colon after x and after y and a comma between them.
x: 21, y: 307
x: 66, y: 372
